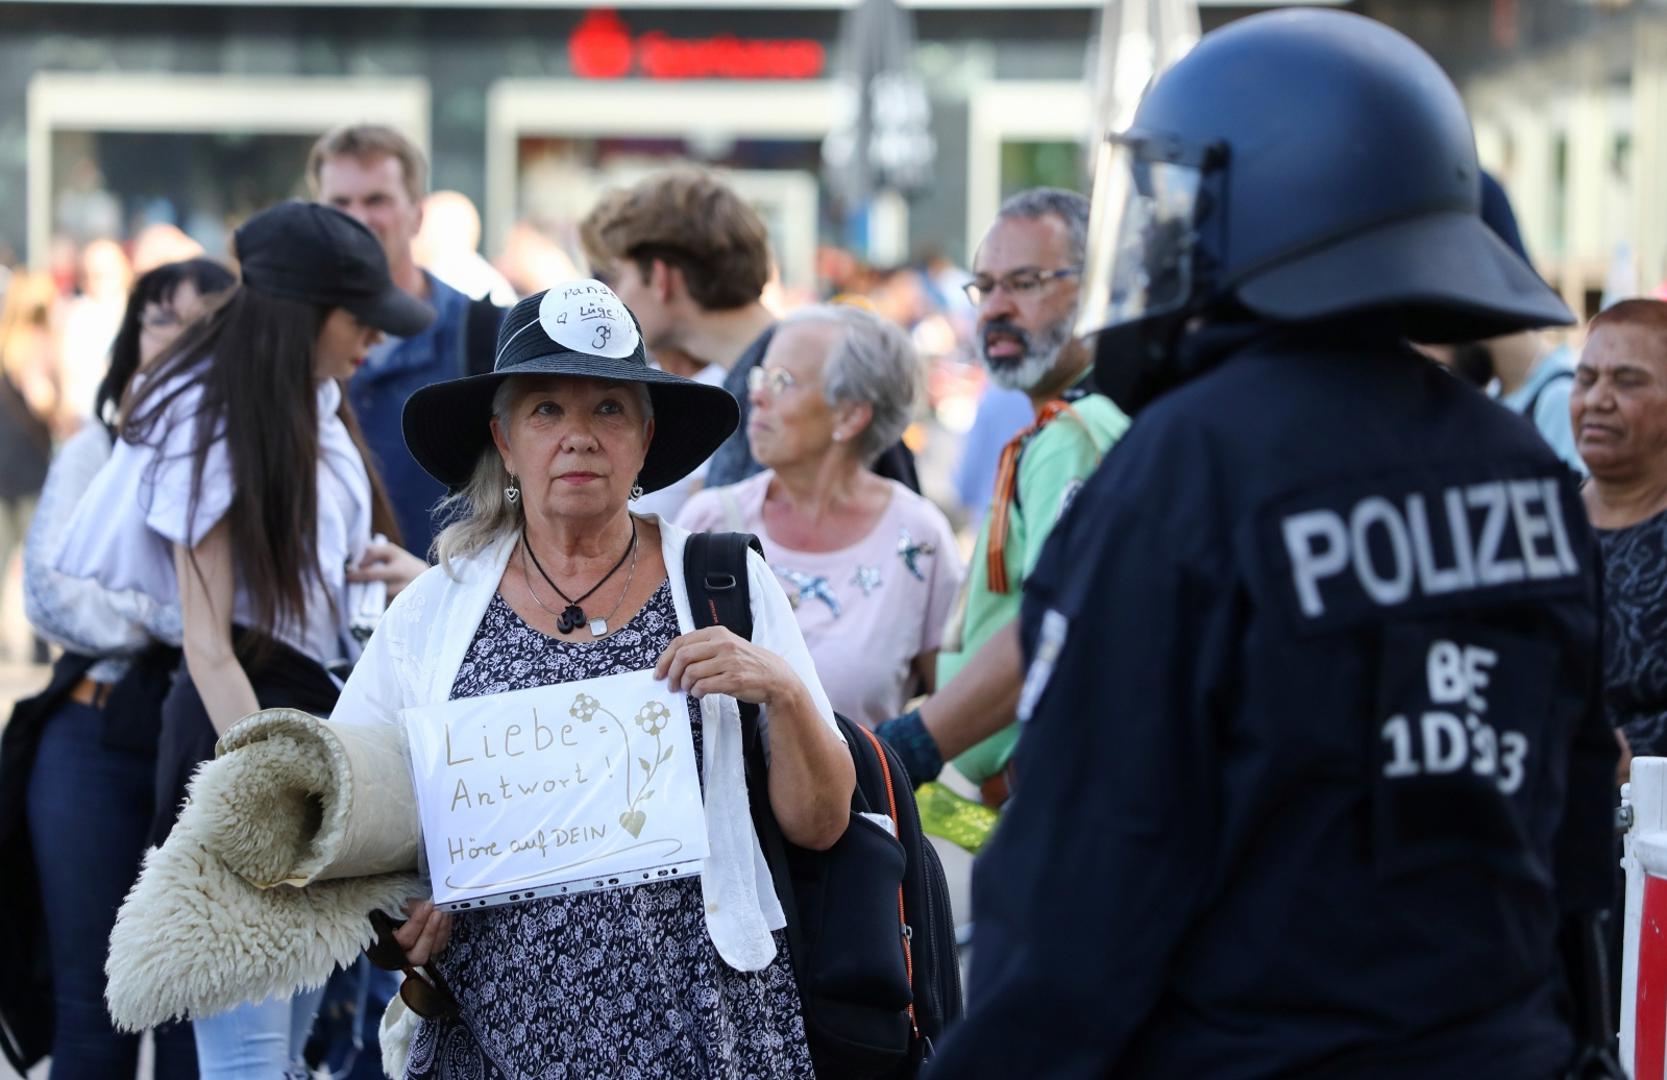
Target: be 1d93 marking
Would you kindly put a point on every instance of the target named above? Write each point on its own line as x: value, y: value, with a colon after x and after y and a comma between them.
x: 1441, y: 741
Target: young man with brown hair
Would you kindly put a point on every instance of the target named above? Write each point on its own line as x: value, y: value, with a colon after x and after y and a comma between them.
x: 627, y: 278
x: 375, y: 174
x: 690, y: 259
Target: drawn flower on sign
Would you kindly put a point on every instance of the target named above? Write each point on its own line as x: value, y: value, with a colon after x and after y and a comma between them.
x: 652, y: 717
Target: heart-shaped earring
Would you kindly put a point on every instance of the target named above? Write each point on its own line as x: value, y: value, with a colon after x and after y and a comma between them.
x: 636, y: 490
x: 513, y: 491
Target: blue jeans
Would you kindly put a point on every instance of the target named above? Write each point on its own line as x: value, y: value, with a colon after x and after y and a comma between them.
x: 89, y: 810
x: 259, y: 1041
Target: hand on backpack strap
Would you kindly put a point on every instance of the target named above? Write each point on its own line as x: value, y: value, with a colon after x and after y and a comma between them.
x: 908, y: 736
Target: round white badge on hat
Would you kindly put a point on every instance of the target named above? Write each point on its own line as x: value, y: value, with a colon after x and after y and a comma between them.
x: 587, y: 317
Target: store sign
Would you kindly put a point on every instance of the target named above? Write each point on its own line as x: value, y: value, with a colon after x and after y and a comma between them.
x: 602, y: 47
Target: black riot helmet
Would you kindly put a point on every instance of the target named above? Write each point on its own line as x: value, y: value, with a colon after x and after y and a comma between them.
x: 1298, y: 166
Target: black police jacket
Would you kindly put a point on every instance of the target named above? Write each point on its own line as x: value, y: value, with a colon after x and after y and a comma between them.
x: 1313, y: 759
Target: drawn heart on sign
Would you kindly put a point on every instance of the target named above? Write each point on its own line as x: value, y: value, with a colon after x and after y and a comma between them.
x: 633, y: 821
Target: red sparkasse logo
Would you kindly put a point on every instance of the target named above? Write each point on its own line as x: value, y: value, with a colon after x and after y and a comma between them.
x: 601, y: 47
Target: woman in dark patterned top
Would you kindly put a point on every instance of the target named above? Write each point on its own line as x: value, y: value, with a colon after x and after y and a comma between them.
x: 680, y: 979
x: 1618, y: 408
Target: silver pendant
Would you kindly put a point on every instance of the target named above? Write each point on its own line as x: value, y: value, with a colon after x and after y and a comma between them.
x: 598, y: 627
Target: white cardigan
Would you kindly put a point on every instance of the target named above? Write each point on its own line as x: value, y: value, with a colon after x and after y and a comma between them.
x: 413, y: 659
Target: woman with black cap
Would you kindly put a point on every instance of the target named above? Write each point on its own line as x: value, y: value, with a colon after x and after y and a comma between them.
x: 546, y: 577
x: 209, y: 499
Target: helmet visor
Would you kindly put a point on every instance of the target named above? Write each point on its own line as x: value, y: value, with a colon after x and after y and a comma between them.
x: 1142, y: 229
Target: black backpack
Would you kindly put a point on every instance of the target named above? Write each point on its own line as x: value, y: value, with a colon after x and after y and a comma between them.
x: 869, y: 929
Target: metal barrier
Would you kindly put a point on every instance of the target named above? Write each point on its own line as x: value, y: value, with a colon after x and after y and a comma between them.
x: 1644, y: 959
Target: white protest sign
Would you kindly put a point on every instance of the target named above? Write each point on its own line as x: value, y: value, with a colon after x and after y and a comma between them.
x: 560, y: 789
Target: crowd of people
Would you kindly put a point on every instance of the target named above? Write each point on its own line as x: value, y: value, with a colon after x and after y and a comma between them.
x: 187, y: 579
x: 335, y: 482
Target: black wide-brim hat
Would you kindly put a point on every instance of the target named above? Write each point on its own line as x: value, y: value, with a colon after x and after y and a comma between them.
x: 579, y: 329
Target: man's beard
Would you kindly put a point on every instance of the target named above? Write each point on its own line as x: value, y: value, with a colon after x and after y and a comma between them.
x: 1041, y: 354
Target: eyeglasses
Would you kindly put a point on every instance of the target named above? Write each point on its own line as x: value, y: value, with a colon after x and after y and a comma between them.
x: 777, y: 379
x: 1018, y: 283
x: 424, y: 992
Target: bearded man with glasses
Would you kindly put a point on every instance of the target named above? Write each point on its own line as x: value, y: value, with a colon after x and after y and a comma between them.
x: 1025, y: 282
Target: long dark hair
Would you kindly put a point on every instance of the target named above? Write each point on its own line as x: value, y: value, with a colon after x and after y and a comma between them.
x: 153, y: 287
x: 252, y: 357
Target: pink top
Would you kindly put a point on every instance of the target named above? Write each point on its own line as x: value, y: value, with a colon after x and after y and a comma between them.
x: 866, y: 611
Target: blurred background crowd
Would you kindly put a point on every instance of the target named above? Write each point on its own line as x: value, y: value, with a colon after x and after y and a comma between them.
x: 58, y: 323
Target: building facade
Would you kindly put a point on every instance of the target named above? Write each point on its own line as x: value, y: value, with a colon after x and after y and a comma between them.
x: 113, y: 116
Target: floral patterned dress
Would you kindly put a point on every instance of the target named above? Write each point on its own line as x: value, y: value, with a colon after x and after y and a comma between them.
x: 618, y: 983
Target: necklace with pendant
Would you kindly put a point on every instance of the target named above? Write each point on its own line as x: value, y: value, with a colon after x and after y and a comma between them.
x: 599, y: 627
x: 573, y: 616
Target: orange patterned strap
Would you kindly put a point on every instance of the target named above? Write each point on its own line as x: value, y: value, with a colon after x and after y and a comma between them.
x: 1007, y: 483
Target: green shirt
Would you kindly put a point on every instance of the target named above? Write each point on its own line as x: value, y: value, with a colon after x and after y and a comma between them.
x: 1052, y: 467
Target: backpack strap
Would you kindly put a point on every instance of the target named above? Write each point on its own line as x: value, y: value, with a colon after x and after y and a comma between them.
x: 715, y: 573
x: 1533, y: 406
x: 905, y: 933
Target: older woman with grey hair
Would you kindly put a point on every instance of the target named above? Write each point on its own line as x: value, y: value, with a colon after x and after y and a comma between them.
x: 546, y: 577
x: 870, y: 566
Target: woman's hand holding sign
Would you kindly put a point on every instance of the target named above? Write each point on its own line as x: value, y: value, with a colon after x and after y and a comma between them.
x: 811, y: 776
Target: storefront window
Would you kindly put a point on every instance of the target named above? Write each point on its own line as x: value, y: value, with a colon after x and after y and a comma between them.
x: 560, y: 179
x: 1040, y: 163
x: 114, y: 184
x: 1559, y: 196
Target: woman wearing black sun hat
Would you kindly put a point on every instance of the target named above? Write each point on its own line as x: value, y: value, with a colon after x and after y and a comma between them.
x: 546, y: 577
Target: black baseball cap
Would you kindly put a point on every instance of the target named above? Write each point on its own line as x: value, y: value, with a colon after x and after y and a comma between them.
x: 309, y: 251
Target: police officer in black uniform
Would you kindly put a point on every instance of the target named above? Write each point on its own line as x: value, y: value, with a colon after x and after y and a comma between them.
x: 1314, y: 780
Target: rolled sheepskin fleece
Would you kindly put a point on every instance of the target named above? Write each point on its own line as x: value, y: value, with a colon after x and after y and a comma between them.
x: 290, y: 837
x: 311, y: 800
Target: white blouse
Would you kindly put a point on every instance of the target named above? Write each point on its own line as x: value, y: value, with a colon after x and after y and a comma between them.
x: 139, y: 507
x: 79, y: 614
x: 413, y: 657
